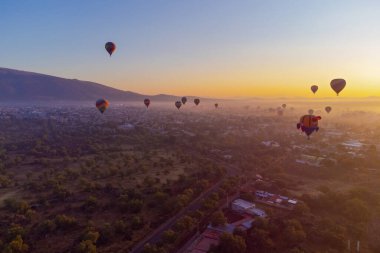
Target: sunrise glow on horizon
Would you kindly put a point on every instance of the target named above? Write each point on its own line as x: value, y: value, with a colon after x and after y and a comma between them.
x: 204, y: 48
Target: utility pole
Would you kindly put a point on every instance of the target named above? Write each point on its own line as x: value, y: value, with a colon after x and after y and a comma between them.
x: 358, y: 246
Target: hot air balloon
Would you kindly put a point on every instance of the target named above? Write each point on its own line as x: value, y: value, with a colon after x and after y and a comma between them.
x: 314, y: 88
x: 184, y: 100
x: 102, y: 104
x: 196, y: 101
x: 284, y: 106
x: 338, y: 85
x: 110, y: 47
x: 310, y: 111
x: 308, y: 124
x: 147, y: 102
x: 328, y: 109
x: 178, y: 104
x: 216, y: 105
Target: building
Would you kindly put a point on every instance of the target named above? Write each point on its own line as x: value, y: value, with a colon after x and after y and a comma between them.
x: 256, y: 212
x: 203, y: 243
x: 241, y: 206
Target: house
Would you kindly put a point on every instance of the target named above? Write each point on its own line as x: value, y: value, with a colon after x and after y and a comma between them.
x: 240, y: 205
x: 256, y: 212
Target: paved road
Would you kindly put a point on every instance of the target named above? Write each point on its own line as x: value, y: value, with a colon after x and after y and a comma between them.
x: 194, y: 205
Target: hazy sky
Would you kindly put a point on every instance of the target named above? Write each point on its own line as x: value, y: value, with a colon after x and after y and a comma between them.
x: 199, y: 47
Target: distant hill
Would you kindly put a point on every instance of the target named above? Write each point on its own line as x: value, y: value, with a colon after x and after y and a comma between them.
x: 21, y: 86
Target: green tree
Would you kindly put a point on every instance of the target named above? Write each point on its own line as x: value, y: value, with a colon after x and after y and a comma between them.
x: 17, y: 245
x: 169, y: 236
x: 356, y: 210
x: 86, y: 246
x: 229, y: 244
x: 218, y: 219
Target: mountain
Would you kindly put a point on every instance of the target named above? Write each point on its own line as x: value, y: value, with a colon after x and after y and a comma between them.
x: 16, y: 86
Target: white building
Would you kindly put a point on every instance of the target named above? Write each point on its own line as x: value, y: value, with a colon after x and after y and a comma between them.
x: 256, y: 212
x: 240, y: 205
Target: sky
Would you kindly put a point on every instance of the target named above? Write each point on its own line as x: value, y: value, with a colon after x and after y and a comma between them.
x: 213, y: 48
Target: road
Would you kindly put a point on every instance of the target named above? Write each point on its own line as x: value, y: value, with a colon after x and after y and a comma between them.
x: 194, y: 205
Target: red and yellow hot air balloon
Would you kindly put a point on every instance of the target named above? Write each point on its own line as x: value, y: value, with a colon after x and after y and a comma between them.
x: 308, y: 124
x: 102, y: 105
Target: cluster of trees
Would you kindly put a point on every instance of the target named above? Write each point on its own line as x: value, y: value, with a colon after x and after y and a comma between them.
x: 322, y: 223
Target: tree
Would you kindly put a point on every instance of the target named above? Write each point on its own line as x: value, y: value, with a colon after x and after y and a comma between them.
x: 186, y: 223
x: 357, y: 210
x: 148, y: 248
x: 259, y: 239
x: 169, y: 236
x: 92, y: 236
x: 218, y: 219
x: 137, y: 222
x: 229, y: 244
x: 46, y: 227
x: 16, y: 246
x: 86, y: 246
x: 65, y: 222
x: 294, y: 233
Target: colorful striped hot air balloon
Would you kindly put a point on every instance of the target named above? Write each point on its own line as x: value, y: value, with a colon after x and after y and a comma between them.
x: 308, y: 124
x: 102, y: 105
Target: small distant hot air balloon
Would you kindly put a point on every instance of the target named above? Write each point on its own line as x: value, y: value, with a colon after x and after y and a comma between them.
x: 310, y: 111
x: 110, y: 47
x: 308, y: 124
x: 178, y: 104
x: 314, y: 88
x: 338, y: 85
x: 216, y: 105
x: 328, y: 109
x: 184, y: 100
x: 284, y: 106
x: 147, y: 102
x: 196, y: 101
x: 102, y: 104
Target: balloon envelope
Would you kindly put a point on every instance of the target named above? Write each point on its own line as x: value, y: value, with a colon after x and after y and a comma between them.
x: 184, y: 100
x: 308, y: 124
x: 216, y: 105
x: 147, y: 102
x: 178, y: 104
x: 314, y: 88
x: 338, y: 85
x: 328, y: 109
x: 102, y: 104
x: 310, y: 111
x: 196, y: 101
x: 110, y: 47
x: 284, y: 106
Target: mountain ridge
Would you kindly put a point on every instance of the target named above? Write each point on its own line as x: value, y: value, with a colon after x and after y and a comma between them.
x: 19, y: 85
